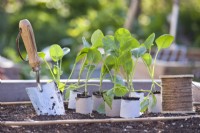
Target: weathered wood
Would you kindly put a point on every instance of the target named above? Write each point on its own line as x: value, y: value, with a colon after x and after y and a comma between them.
x: 79, y: 121
x: 178, y: 112
x: 178, y: 106
x: 29, y: 42
x: 183, y: 91
x: 177, y: 100
x: 15, y: 103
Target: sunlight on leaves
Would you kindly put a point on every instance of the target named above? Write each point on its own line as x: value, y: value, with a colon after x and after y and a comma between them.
x: 120, y: 90
x: 56, y: 52
x: 147, y: 59
x: 96, y: 39
x: 41, y: 55
x: 164, y: 41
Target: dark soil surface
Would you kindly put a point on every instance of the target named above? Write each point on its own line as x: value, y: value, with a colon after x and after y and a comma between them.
x: 26, y: 113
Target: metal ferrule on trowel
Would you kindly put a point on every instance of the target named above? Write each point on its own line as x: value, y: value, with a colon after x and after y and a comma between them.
x: 30, y: 45
x: 46, y: 100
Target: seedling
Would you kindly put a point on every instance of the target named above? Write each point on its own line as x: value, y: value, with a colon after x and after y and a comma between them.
x: 129, y: 47
x: 90, y: 57
x: 56, y: 54
x: 118, y: 49
x: 162, y: 42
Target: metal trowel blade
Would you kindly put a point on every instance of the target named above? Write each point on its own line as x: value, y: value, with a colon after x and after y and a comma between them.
x: 47, y: 102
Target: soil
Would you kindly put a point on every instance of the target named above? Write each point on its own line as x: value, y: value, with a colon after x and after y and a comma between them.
x: 26, y: 113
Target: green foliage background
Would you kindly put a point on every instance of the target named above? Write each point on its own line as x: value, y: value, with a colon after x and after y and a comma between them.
x: 66, y: 21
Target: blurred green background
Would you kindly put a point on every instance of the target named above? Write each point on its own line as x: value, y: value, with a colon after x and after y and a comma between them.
x: 65, y: 22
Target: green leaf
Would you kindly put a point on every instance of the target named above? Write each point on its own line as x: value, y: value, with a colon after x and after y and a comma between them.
x: 42, y: 55
x: 110, y: 60
x: 110, y: 93
x: 144, y: 104
x: 109, y: 44
x: 101, y: 108
x: 94, y: 56
x: 138, y: 52
x: 96, y: 39
x: 56, y: 69
x: 126, y: 62
x: 128, y: 44
x: 105, y: 69
x: 128, y: 67
x: 147, y: 59
x: 164, y: 41
x: 65, y: 50
x: 108, y: 64
x: 85, y: 43
x: 120, y: 90
x: 81, y: 54
x: 125, y: 39
x: 61, y: 86
x: 56, y: 52
x: 108, y: 99
x: 122, y: 34
x: 149, y: 41
x: 153, y: 103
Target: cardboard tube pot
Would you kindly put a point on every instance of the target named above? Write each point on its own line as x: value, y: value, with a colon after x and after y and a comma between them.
x: 130, y: 107
x: 97, y: 100
x: 72, y: 99
x: 83, y: 104
x: 137, y: 94
x: 115, y: 110
x: 157, y: 107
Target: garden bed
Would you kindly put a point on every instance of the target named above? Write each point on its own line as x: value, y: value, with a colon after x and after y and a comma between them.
x: 22, y: 118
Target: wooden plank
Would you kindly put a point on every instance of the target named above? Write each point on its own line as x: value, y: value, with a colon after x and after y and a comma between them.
x: 83, y: 121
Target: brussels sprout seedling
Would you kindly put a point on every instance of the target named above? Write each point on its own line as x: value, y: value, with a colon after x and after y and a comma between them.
x: 162, y: 42
x: 90, y: 57
x: 56, y: 54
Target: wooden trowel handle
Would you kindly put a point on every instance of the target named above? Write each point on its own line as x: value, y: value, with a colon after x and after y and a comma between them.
x: 29, y: 42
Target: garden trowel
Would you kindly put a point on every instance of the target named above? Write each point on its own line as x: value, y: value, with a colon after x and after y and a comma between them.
x: 46, y: 99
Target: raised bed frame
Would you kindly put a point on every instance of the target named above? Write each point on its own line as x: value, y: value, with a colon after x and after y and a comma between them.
x: 13, y: 93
